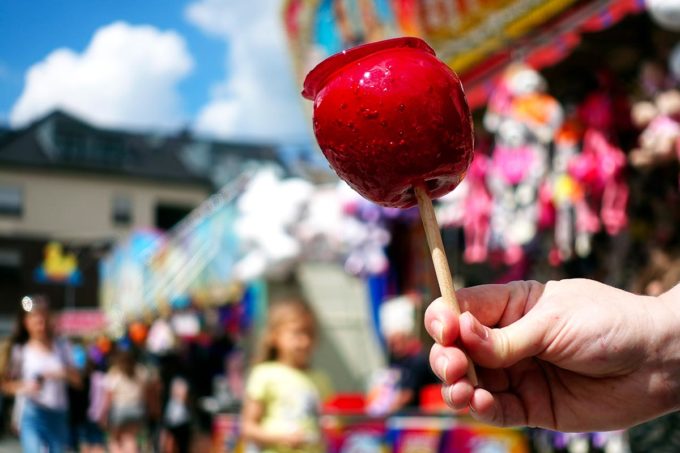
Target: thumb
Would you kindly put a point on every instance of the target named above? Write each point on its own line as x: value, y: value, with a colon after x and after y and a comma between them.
x: 501, y: 347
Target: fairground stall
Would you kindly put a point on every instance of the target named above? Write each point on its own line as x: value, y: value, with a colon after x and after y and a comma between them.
x: 577, y: 116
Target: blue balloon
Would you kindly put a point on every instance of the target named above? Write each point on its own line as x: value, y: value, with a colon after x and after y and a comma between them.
x: 79, y: 356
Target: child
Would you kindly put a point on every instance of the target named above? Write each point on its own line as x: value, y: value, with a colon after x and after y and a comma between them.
x: 126, y: 402
x: 176, y: 434
x: 283, y: 395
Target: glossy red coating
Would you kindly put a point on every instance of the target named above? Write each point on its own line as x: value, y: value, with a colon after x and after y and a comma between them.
x: 389, y: 116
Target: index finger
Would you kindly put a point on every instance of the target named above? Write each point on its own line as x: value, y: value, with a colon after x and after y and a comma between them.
x: 500, y: 305
x: 492, y: 305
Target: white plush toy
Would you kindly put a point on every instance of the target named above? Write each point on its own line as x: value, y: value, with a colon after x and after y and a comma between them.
x: 268, y: 210
x: 524, y: 120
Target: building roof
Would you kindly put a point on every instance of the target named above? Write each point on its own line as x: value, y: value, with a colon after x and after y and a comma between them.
x: 62, y: 142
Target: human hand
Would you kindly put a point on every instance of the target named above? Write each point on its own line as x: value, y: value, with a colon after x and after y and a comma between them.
x: 295, y: 439
x: 54, y: 375
x: 571, y: 355
x: 31, y: 388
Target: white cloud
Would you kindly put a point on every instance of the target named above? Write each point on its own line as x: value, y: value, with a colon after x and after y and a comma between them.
x: 259, y: 99
x: 127, y: 77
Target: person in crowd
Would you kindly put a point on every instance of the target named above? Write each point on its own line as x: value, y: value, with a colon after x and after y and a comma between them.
x: 283, y: 393
x: 176, y: 433
x: 569, y: 355
x: 406, y: 355
x: 125, y: 406
x: 38, y: 373
x: 88, y: 437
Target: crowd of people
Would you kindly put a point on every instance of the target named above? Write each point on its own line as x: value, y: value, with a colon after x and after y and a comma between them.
x: 563, y: 356
x: 69, y: 395
x: 118, y: 397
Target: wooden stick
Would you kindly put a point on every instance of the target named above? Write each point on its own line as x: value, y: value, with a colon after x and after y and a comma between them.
x: 441, y: 264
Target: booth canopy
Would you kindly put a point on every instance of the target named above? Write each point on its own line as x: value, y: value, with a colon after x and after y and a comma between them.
x: 477, y: 38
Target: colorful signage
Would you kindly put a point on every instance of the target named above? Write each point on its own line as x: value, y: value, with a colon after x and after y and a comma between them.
x: 58, y: 266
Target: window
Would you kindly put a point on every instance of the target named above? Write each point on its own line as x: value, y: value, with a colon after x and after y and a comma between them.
x: 167, y: 216
x: 10, y: 266
x: 11, y: 201
x: 122, y: 210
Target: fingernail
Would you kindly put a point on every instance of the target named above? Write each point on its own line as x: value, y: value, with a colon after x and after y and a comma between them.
x: 446, y: 395
x: 437, y: 331
x: 478, y: 329
x: 442, y: 367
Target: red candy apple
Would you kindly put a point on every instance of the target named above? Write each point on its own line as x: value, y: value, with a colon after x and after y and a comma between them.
x: 389, y: 116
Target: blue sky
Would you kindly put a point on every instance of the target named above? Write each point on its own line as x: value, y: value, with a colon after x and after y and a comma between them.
x: 207, y: 90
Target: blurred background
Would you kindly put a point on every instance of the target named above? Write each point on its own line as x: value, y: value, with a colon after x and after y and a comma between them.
x: 161, y: 188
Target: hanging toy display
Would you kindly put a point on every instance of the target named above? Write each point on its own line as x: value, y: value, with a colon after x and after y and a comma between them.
x: 661, y: 130
x: 477, y: 207
x: 524, y: 120
x: 565, y: 194
x: 600, y: 167
x: 469, y: 207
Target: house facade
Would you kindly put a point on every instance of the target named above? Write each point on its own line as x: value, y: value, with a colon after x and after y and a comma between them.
x: 69, y: 190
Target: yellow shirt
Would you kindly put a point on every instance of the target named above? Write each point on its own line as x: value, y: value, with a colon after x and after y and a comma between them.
x: 292, y: 401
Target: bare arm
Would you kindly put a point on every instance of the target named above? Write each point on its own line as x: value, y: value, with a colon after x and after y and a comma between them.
x: 106, y: 408
x: 404, y: 397
x: 252, y: 429
x: 17, y: 387
x: 74, y: 377
x: 70, y: 375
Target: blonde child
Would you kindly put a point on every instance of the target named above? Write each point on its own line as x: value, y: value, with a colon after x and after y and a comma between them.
x: 127, y: 385
x: 283, y: 395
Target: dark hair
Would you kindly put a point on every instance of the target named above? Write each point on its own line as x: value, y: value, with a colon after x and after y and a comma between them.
x: 281, y: 312
x: 20, y: 332
x: 125, y: 361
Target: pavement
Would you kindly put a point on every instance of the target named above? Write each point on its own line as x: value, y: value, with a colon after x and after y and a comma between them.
x: 9, y: 445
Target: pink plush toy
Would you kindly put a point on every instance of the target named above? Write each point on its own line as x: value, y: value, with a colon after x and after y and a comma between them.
x: 600, y: 169
x: 661, y: 129
x: 477, y: 208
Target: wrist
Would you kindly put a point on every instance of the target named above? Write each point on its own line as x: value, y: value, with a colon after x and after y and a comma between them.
x: 667, y: 347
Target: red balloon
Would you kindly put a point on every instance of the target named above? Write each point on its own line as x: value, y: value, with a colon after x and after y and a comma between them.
x: 104, y: 344
x: 137, y: 332
x: 389, y: 116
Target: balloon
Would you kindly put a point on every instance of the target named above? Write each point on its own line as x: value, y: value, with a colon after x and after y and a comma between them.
x: 268, y: 209
x: 79, y: 356
x: 104, y: 344
x: 96, y: 354
x: 666, y: 13
x: 137, y: 332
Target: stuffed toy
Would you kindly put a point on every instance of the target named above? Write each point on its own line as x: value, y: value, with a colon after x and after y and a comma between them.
x: 267, y: 210
x: 516, y: 170
x: 565, y: 195
x: 600, y: 166
x: 524, y: 119
x: 477, y: 207
x: 657, y: 142
x: 600, y: 169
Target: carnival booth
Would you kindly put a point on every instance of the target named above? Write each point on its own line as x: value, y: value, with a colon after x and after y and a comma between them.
x: 577, y: 116
x: 576, y: 166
